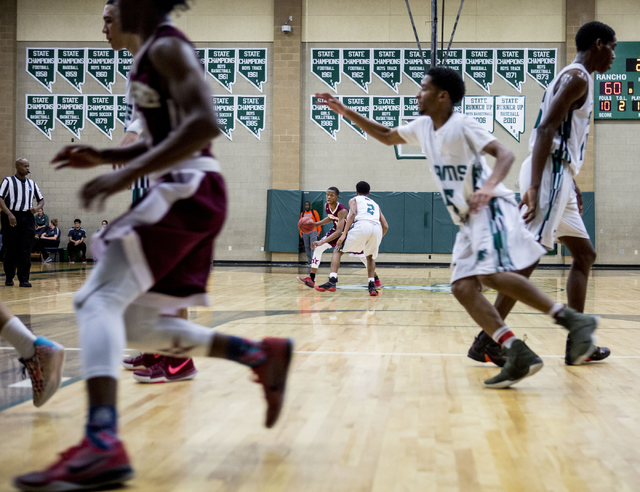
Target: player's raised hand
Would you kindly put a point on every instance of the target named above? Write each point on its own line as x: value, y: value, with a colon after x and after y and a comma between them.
x: 334, y: 104
x: 480, y: 199
x: 529, y: 200
x: 77, y: 156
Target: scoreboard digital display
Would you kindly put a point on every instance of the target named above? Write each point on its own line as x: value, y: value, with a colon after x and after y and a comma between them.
x: 617, y: 92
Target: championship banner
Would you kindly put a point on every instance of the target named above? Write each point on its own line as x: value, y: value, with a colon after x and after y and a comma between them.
x: 326, y: 119
x: 121, y: 109
x: 409, y: 107
x: 412, y: 64
x: 356, y: 65
x: 101, y: 113
x: 125, y: 60
x: 386, y: 111
x: 225, y: 108
x: 481, y: 109
x: 221, y: 65
x: 510, y: 114
x: 387, y: 65
x: 325, y: 64
x: 201, y: 52
x: 250, y: 112
x: 70, y: 112
x: 40, y: 113
x: 511, y: 66
x: 455, y: 61
x: 252, y: 65
x: 41, y: 65
x: 479, y: 66
x: 101, y: 65
x: 71, y: 65
x: 362, y: 106
x: 541, y: 65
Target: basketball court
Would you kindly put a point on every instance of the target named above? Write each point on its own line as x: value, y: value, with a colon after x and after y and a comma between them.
x: 381, y: 397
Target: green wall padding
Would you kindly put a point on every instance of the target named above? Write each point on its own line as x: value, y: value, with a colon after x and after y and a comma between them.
x: 283, y: 214
x: 392, y: 206
x: 444, y: 230
x: 418, y: 222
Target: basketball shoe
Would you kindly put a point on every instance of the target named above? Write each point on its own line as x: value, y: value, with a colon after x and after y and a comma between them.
x: 581, y: 328
x: 600, y: 353
x: 485, y: 349
x: 81, y: 467
x: 272, y: 374
x: 329, y: 286
x: 44, y: 369
x: 521, y: 363
x: 307, y: 281
x: 142, y: 361
x: 167, y: 370
x: 379, y: 284
x: 372, y: 290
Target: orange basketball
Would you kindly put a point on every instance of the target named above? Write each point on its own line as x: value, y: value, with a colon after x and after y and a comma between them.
x: 305, y: 224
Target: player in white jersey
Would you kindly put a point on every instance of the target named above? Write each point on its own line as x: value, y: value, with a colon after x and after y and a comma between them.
x: 551, y: 200
x: 363, y: 232
x: 493, y: 243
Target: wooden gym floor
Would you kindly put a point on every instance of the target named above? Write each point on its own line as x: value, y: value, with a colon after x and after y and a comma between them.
x: 381, y: 396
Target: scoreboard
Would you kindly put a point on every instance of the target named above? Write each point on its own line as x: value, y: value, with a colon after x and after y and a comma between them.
x: 617, y: 92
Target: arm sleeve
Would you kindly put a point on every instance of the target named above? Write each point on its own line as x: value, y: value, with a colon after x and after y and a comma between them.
x: 37, y: 193
x: 412, y: 132
x: 477, y: 136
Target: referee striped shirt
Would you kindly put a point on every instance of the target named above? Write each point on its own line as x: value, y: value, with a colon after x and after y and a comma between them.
x: 18, y: 194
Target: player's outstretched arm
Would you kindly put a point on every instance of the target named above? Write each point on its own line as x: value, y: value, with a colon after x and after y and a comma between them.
x: 324, y: 221
x: 504, y: 160
x: 353, y: 211
x: 84, y: 157
x: 388, y: 136
x: 572, y: 86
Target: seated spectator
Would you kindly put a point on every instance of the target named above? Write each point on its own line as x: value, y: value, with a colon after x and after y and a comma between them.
x: 42, y: 221
x: 105, y: 223
x: 77, y: 235
x: 49, y: 239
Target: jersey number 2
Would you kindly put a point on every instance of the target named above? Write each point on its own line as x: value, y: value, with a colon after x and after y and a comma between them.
x: 371, y: 209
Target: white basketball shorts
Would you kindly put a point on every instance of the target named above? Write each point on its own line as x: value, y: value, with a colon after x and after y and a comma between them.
x: 365, y: 237
x: 558, y: 214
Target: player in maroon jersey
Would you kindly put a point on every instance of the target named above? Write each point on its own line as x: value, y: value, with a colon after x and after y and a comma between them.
x: 156, y: 256
x: 337, y: 213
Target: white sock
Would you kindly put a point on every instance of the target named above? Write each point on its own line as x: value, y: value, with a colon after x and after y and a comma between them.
x: 18, y: 335
x: 333, y: 275
x: 371, y: 279
x: 504, y: 337
x: 555, y: 309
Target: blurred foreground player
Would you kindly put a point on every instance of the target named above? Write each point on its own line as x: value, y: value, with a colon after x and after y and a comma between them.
x: 492, y: 243
x: 155, y: 254
x: 551, y: 198
x: 148, y: 368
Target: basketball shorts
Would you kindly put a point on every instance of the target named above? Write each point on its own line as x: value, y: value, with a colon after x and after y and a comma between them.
x: 558, y: 214
x: 365, y: 237
x: 492, y: 241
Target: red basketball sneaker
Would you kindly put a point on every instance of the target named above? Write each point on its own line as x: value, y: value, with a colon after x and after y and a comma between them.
x: 167, y: 370
x: 141, y: 361
x: 81, y: 467
x: 378, y: 284
x: 307, y: 281
x: 272, y: 374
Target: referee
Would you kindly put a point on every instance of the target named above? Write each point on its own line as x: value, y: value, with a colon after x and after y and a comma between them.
x: 18, y: 225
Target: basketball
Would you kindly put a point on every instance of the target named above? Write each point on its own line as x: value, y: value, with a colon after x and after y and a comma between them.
x: 305, y: 224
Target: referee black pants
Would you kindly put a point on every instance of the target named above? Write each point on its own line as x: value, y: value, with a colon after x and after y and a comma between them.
x: 17, y: 242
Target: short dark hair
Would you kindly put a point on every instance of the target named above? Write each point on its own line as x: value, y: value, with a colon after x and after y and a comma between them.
x: 77, y: 220
x: 111, y: 2
x: 166, y: 6
x: 590, y: 32
x: 334, y: 189
x: 363, y: 188
x: 105, y: 220
x: 448, y: 80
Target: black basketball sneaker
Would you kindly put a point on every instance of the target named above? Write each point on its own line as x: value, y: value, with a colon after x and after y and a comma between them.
x: 485, y: 349
x: 600, y: 353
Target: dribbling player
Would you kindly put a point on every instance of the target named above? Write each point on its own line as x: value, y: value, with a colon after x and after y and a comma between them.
x: 337, y: 214
x: 550, y: 197
x: 493, y: 242
x: 363, y: 232
x: 155, y: 254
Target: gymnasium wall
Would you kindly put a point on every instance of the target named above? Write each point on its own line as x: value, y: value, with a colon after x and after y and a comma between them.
x: 248, y: 163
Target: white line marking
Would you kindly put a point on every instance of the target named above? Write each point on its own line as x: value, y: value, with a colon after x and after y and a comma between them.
x: 26, y: 383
